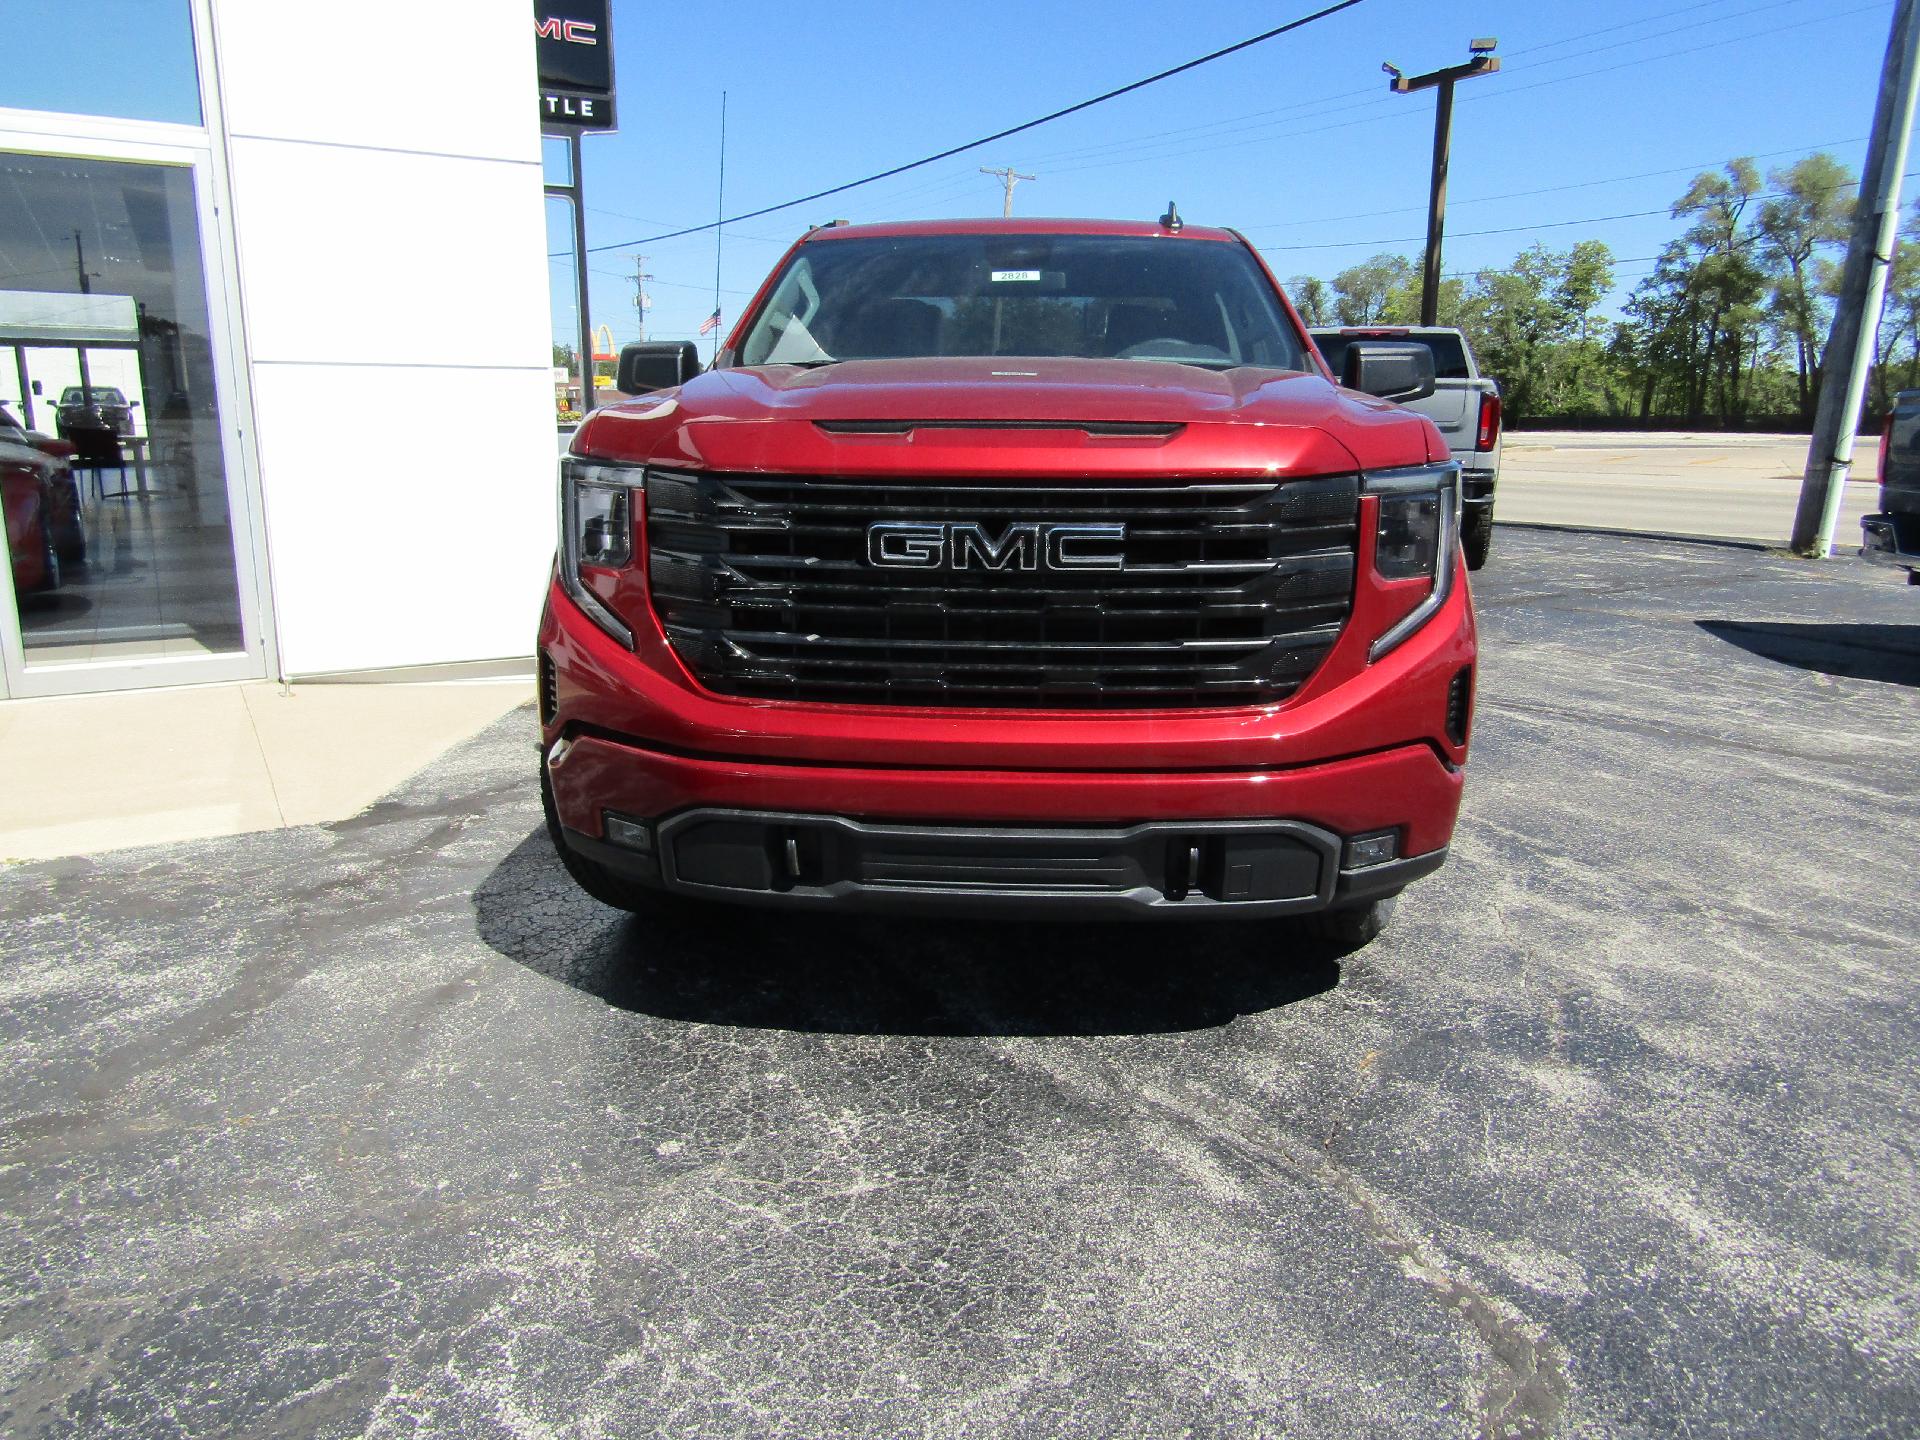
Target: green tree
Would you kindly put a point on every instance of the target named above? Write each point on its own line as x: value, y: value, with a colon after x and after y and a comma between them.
x: 1531, y: 324
x: 1364, y: 294
x: 1312, y: 299
x: 1725, y: 281
x: 1897, y: 350
x: 1808, y: 212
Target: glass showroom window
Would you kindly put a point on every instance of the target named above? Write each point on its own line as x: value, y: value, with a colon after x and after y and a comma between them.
x: 124, y: 549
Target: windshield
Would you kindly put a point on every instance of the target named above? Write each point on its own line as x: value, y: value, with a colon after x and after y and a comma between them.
x: 1130, y: 297
x: 102, y: 395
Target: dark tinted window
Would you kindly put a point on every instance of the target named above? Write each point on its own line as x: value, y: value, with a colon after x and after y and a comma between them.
x: 1449, y: 355
x: 1193, y: 302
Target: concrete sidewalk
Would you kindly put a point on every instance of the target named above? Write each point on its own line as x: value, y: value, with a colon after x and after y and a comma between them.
x: 99, y: 772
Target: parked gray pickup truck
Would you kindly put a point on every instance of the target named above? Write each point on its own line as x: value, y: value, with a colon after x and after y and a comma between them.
x: 1892, y: 536
x: 1465, y: 405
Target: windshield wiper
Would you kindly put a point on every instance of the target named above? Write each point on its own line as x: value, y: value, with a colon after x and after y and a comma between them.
x: 1199, y: 362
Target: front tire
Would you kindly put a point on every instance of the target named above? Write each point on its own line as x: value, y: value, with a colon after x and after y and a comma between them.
x: 1350, y: 926
x: 598, y: 881
x: 1476, y: 535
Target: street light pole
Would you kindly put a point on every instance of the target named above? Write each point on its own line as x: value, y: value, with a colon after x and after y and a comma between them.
x: 1484, y: 62
x: 1863, y: 286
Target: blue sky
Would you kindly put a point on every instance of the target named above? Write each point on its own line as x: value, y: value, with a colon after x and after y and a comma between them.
x: 1296, y: 141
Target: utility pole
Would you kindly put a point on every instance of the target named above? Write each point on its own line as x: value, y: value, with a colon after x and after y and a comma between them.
x: 1009, y: 177
x: 1483, y: 62
x: 641, y: 300
x: 1863, y: 287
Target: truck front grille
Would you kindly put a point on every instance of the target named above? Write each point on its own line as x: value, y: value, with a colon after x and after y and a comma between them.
x: 1231, y: 592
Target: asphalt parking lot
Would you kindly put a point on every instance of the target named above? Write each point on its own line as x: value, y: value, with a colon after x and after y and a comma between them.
x: 380, y: 1127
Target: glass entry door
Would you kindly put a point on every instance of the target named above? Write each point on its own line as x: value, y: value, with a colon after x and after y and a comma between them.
x: 130, y: 548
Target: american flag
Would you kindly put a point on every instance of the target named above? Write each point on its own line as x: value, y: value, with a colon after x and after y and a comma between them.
x: 711, y: 321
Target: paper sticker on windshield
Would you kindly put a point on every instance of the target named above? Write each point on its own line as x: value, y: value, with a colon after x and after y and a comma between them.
x: 999, y: 275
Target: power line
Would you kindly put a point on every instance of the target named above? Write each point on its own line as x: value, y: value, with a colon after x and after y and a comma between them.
x: 1321, y: 14
x: 1463, y: 234
x: 1380, y: 104
x: 1368, y: 99
x: 1612, y: 260
x: 1557, y: 189
x: 656, y: 220
x: 1537, y: 225
x: 1692, y: 50
x: 1150, y: 139
x: 1372, y: 98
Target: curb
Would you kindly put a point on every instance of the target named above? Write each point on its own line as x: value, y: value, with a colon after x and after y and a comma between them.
x: 1718, y: 541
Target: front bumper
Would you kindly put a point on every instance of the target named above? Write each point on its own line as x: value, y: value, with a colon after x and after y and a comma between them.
x: 811, y: 836
x: 1892, y: 540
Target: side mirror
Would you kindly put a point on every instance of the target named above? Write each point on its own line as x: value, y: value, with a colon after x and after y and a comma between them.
x: 656, y: 366
x: 1391, y: 370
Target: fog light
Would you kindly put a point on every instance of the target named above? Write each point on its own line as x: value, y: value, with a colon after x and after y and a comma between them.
x: 1375, y: 848
x: 629, y: 834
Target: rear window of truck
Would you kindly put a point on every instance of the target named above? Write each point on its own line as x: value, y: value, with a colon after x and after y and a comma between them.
x: 1449, y: 355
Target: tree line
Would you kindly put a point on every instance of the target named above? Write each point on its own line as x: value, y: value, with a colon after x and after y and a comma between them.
x: 1728, y: 327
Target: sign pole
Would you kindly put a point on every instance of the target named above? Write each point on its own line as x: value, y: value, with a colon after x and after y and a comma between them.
x: 580, y: 271
x: 573, y: 48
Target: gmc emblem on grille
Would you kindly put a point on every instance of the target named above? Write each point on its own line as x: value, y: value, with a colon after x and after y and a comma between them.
x: 1024, y: 545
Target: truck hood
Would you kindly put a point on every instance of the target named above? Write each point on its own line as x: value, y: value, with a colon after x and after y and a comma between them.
x: 1023, y: 393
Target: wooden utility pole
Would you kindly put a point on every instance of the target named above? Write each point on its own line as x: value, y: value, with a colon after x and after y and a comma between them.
x: 1009, y: 177
x: 1484, y: 62
x: 641, y: 301
x: 1863, y: 287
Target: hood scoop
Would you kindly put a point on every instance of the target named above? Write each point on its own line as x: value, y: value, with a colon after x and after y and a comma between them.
x: 1153, y: 429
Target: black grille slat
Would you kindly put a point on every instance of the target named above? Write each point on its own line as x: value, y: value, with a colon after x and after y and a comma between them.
x: 1233, y: 592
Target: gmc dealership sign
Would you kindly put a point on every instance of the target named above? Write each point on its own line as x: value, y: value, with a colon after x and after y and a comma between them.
x: 574, y: 43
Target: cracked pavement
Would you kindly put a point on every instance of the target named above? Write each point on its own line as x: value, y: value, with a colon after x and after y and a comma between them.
x: 382, y: 1128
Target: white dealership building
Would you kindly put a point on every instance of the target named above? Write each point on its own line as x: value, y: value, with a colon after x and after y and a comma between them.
x: 280, y: 272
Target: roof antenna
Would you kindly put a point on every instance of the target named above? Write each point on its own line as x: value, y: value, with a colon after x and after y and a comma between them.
x: 1171, y: 220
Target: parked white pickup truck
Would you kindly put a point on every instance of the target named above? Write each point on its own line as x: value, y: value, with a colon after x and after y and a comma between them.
x: 1465, y: 405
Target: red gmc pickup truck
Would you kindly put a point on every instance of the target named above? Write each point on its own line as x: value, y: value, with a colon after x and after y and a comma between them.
x: 1013, y: 567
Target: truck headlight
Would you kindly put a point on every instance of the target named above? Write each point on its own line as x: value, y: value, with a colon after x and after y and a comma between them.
x: 598, y: 510
x: 1418, y: 534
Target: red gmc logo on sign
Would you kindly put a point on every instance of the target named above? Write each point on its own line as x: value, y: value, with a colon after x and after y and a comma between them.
x: 574, y: 32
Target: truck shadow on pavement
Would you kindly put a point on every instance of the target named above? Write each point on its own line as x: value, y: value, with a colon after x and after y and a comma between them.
x: 1890, y: 653
x: 861, y: 975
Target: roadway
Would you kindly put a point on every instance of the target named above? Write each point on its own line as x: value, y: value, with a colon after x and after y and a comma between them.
x: 1736, y: 487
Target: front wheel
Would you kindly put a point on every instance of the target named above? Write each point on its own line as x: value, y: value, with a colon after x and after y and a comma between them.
x: 596, y: 879
x: 1350, y: 926
x: 1476, y: 535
